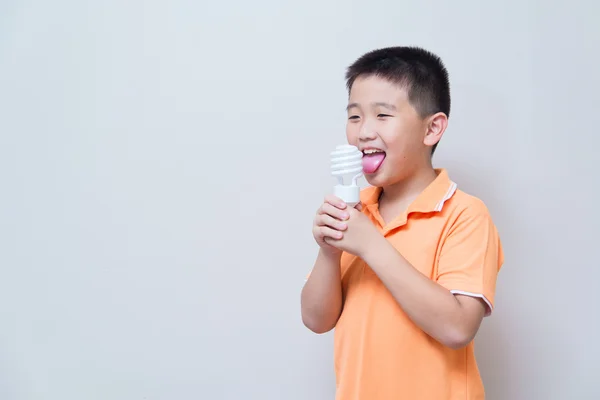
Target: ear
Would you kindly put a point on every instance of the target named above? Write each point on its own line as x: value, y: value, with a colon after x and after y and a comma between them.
x: 436, y: 127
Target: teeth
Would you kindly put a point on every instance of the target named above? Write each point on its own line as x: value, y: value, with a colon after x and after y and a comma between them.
x: 372, y: 151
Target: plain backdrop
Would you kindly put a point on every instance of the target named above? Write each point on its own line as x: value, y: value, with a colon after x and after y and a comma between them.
x: 161, y: 162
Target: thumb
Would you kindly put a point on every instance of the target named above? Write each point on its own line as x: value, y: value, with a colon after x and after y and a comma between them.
x: 359, y: 206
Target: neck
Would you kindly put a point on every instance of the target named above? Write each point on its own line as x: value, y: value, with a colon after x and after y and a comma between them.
x: 407, y: 190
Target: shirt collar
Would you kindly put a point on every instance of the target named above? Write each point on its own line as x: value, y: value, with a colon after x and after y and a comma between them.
x: 432, y: 199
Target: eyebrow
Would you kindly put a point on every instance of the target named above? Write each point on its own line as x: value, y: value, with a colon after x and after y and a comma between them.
x: 352, y: 105
x: 386, y: 105
x: 378, y: 104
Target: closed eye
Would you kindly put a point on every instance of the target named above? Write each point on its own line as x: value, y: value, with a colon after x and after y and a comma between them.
x: 383, y: 115
x: 354, y: 117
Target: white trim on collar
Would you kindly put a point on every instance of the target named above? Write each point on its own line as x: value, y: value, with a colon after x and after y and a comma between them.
x: 448, y: 194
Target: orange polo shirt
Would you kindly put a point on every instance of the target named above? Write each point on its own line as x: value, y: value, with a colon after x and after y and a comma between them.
x: 380, y: 354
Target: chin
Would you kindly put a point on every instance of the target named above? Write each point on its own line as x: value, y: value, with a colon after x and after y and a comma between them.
x: 383, y: 180
x: 376, y: 179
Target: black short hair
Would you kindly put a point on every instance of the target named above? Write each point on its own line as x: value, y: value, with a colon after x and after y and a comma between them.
x: 421, y: 72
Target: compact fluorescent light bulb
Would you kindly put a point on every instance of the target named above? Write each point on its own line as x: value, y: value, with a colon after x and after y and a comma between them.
x: 346, y: 166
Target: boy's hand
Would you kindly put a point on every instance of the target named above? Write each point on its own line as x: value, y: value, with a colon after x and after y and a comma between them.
x: 330, y: 223
x: 359, y: 235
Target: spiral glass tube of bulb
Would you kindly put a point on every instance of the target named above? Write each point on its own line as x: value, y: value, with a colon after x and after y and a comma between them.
x: 346, y: 166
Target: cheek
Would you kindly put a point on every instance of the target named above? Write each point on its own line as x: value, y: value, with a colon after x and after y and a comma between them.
x: 352, y: 134
x: 400, y: 141
x: 392, y: 138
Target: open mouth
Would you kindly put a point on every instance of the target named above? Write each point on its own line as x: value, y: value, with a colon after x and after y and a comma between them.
x: 372, y: 160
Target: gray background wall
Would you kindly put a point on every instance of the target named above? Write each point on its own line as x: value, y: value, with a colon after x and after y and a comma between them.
x: 161, y: 162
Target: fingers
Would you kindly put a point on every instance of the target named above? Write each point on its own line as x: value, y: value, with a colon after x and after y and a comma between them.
x: 335, y: 201
x: 329, y: 221
x: 324, y: 232
x: 333, y: 211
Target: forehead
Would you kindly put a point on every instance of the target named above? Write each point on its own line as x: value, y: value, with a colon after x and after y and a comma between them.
x: 373, y: 88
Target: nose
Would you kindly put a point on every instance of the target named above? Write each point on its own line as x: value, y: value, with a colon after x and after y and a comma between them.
x: 367, y: 132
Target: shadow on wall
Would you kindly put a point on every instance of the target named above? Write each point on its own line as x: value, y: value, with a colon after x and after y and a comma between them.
x: 483, y: 135
x: 493, y: 344
x: 487, y: 154
x: 476, y: 172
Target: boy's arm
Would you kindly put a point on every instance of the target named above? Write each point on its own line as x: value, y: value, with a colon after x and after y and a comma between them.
x: 321, y: 299
x: 452, y: 320
x: 449, y: 308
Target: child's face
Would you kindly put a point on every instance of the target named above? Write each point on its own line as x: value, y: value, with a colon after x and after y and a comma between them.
x: 381, y: 119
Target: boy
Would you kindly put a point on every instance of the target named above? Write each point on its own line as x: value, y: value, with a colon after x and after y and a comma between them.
x: 407, y: 276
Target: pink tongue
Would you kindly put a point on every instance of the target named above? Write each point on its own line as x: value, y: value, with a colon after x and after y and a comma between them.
x: 371, y: 162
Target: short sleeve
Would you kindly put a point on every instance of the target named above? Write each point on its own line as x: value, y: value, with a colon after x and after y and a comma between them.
x: 471, y: 256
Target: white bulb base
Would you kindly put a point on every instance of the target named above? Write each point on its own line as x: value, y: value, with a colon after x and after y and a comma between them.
x: 348, y: 194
